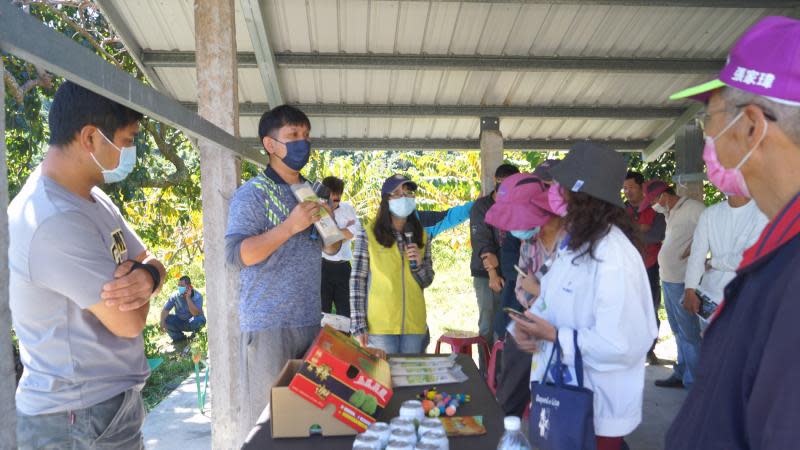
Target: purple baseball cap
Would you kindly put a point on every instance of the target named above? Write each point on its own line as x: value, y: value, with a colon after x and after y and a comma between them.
x: 521, y: 204
x: 652, y: 189
x: 764, y: 61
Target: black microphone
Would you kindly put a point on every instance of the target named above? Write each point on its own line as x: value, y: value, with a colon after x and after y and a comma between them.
x: 409, y: 234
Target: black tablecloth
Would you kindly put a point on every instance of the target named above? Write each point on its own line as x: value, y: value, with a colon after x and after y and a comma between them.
x: 482, y: 404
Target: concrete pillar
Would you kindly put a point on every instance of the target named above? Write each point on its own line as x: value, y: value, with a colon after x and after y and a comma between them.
x: 689, y: 166
x: 491, y: 152
x: 220, y: 172
x: 8, y: 379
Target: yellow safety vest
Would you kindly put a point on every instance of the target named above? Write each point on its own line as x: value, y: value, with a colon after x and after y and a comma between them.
x: 395, y: 302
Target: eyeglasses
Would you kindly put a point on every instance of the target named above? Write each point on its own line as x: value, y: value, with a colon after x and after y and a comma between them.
x: 703, y: 117
x: 407, y: 194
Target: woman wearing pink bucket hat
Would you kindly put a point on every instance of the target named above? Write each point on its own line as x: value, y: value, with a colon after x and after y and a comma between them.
x: 522, y: 208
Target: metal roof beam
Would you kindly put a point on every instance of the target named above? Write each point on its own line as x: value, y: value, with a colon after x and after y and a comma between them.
x: 683, y: 3
x: 585, y: 112
x: 499, y: 63
x: 28, y: 38
x: 254, y: 12
x: 666, y: 139
x: 703, y: 66
x: 182, y: 59
x: 355, y: 144
x: 120, y: 26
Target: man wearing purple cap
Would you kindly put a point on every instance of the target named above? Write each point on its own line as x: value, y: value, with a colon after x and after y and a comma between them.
x: 681, y: 215
x: 746, y: 393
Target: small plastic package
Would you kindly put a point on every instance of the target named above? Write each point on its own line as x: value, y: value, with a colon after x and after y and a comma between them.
x: 326, y: 226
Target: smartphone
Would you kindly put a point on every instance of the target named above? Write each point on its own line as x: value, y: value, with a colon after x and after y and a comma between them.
x: 707, y: 306
x: 515, y: 313
x: 521, y: 272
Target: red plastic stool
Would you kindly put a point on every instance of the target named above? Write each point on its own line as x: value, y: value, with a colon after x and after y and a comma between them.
x: 462, y: 342
x: 491, y: 379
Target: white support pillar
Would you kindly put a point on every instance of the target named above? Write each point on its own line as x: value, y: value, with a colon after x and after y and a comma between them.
x: 8, y: 379
x: 491, y: 152
x: 689, y: 164
x: 220, y: 172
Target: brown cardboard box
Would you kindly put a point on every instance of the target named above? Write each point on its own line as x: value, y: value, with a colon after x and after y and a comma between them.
x: 293, y: 416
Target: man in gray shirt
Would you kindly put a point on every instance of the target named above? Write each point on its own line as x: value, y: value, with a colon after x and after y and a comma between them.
x: 80, y: 283
x: 681, y: 215
x: 270, y: 238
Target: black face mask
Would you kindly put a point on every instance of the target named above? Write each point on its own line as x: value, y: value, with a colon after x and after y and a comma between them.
x: 297, y: 153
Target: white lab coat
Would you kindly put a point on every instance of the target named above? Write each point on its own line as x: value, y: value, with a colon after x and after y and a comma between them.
x: 607, y: 299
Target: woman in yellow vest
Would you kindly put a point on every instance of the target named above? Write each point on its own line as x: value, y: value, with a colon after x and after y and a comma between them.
x: 391, y: 268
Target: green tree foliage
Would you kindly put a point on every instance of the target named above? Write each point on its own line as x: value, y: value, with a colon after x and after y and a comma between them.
x: 162, y: 195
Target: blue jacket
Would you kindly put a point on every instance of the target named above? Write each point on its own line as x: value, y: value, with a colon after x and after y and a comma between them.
x: 437, y: 222
x: 747, y: 389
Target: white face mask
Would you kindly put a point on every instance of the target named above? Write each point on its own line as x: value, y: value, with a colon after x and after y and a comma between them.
x: 127, y: 161
x: 402, y: 207
x: 660, y: 209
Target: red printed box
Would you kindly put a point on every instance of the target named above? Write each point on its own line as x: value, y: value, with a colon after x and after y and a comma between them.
x: 337, y: 371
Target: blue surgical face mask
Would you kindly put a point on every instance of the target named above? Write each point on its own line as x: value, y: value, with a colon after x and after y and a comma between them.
x: 525, y: 235
x: 127, y: 161
x: 297, y: 153
x: 402, y: 207
x: 181, y: 290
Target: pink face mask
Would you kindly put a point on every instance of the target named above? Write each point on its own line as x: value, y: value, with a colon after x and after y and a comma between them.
x: 730, y: 181
x: 556, y: 201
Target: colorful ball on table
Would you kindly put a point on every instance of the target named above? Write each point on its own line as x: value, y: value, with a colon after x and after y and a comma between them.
x: 434, y: 412
x: 427, y: 405
x: 452, y: 407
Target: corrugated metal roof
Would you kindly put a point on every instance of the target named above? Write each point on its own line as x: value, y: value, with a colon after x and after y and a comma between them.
x: 460, y: 87
x: 169, y: 24
x: 458, y: 28
x: 514, y: 28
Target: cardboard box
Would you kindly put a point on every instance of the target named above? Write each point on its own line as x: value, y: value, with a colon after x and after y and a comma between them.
x: 292, y: 416
x: 337, y: 371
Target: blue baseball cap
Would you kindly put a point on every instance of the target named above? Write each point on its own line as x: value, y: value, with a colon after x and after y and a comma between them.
x: 395, y: 181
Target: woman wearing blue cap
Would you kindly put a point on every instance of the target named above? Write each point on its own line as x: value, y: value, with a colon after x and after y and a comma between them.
x: 391, y: 268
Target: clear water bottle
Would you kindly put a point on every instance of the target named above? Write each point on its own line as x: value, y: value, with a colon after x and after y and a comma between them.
x: 513, y: 439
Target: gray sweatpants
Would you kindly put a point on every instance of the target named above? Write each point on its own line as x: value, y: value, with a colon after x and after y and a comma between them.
x: 264, y: 353
x: 115, y: 423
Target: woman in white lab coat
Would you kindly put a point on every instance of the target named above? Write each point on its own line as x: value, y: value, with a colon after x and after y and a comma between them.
x: 598, y: 287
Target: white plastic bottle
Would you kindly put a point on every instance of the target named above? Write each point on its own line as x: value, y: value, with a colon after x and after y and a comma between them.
x: 513, y: 439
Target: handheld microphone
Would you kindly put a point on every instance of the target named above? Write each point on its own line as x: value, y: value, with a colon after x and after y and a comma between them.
x: 409, y: 234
